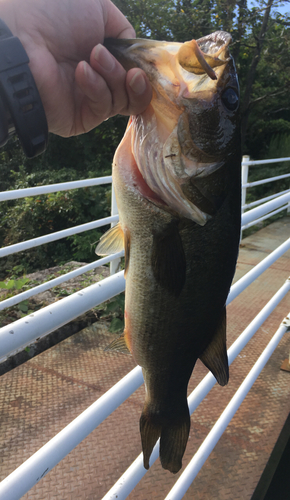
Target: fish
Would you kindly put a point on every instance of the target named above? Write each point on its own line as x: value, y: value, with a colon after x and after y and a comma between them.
x: 176, y: 175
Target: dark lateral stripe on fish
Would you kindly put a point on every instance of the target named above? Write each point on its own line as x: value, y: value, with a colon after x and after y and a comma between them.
x: 168, y: 259
x: 127, y: 241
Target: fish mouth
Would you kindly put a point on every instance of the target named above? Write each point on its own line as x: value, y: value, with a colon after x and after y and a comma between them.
x: 203, y: 55
x: 172, y: 141
x: 198, y: 57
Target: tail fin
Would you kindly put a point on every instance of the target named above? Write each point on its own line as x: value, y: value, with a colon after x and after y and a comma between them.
x: 173, y: 431
x: 150, y: 431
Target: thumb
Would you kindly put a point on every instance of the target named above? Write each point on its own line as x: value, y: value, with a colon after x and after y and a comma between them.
x: 116, y: 25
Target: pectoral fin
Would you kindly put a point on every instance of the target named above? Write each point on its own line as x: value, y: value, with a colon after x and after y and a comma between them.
x: 111, y: 242
x: 168, y: 259
x: 215, y: 356
x: 119, y: 345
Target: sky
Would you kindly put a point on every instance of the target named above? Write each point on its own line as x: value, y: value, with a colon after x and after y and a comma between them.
x: 282, y: 10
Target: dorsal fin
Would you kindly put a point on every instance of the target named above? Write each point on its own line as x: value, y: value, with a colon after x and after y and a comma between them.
x: 118, y: 345
x: 215, y: 357
x: 111, y: 242
x: 168, y: 259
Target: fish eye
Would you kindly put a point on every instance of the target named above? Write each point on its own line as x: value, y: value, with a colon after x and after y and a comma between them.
x: 230, y: 99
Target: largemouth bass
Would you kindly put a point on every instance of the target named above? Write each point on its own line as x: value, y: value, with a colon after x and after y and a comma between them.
x: 177, y: 180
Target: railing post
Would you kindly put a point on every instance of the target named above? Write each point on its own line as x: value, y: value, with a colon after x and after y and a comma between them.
x: 245, y: 171
x: 114, y: 265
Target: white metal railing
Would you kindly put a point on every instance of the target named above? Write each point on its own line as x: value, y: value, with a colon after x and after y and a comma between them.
x: 54, y: 188
x: 12, y: 301
x: 129, y: 480
x: 36, y: 191
x: 37, y: 466
x: 246, y: 163
x: 194, y: 466
x: 266, y: 210
x: 23, y: 332
x: 49, y: 238
x: 26, y: 330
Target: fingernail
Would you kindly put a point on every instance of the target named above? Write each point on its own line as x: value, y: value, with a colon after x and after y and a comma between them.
x: 138, y: 84
x: 104, y: 58
x: 89, y: 73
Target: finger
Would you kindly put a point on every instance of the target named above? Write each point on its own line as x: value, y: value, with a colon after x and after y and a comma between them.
x: 104, y: 63
x: 139, y: 92
x: 131, y: 93
x: 107, y: 95
x: 117, y: 26
x: 96, y: 104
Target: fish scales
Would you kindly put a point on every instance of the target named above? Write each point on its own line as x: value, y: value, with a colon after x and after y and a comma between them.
x: 179, y: 203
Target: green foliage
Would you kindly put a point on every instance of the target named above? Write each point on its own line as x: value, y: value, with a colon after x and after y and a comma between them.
x: 19, y: 310
x: 84, y: 245
x: 31, y: 217
x: 86, y: 156
x: 14, y: 284
x: 23, y: 306
x: 117, y: 324
x: 182, y: 20
x: 90, y: 155
x: 263, y: 133
x: 115, y: 311
x: 279, y: 146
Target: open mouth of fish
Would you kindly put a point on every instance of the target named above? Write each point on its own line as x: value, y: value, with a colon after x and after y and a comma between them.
x: 170, y: 151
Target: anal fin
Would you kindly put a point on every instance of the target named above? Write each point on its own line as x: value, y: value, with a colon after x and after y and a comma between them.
x: 119, y: 345
x: 112, y: 241
x: 215, y: 357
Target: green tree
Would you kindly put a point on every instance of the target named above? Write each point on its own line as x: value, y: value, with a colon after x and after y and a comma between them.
x: 86, y: 156
x: 261, y: 48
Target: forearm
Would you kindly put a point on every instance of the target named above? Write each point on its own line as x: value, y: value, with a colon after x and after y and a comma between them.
x: 21, y: 109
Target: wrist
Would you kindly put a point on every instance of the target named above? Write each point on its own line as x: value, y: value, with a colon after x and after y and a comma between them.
x: 21, y: 108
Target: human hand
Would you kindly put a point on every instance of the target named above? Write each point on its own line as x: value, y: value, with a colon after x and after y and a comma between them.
x: 80, y: 83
